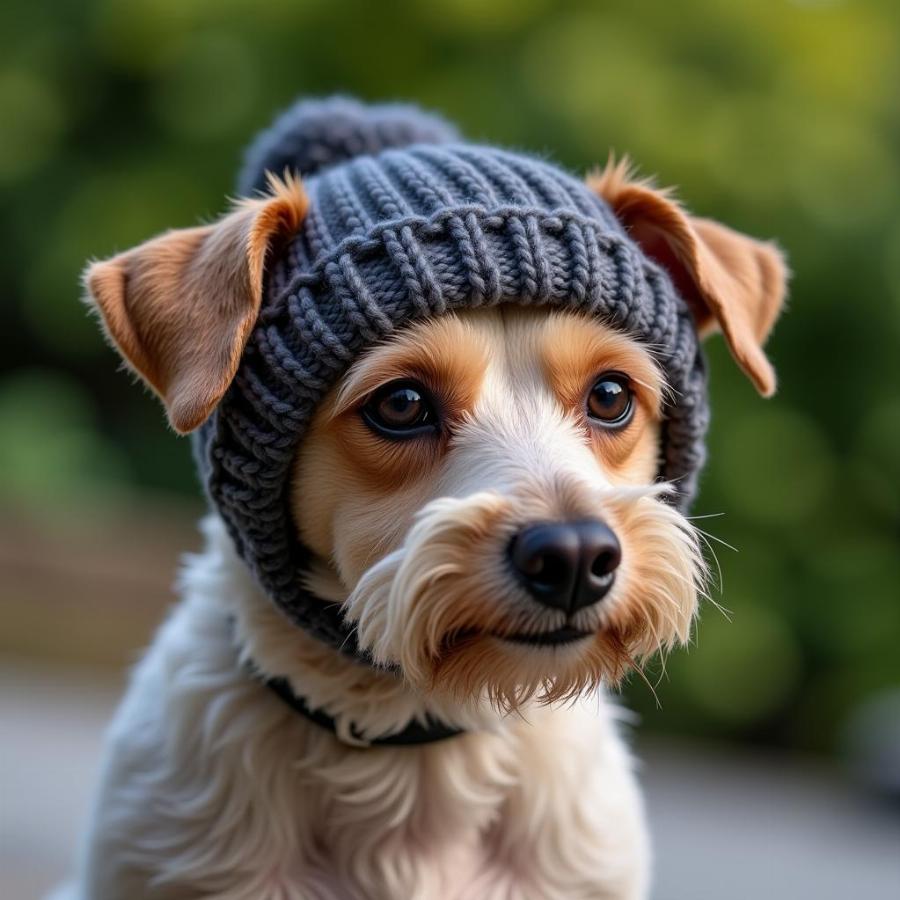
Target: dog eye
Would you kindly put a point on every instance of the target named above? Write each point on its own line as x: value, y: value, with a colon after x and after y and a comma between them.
x: 401, y: 409
x: 611, y: 401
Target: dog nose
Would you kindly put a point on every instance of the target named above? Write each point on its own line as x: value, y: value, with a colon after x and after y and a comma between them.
x: 566, y: 565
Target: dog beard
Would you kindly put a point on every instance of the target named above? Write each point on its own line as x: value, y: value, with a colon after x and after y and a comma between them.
x: 439, y: 606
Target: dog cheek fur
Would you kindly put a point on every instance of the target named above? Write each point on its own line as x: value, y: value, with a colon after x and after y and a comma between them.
x: 432, y: 606
x: 662, y: 574
x: 443, y: 581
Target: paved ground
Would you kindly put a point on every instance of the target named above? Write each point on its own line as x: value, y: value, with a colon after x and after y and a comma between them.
x: 727, y: 827
x: 765, y: 828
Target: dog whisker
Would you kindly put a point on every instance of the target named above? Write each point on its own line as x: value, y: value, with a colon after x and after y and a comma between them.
x: 718, y: 540
x: 640, y: 671
x: 719, y: 581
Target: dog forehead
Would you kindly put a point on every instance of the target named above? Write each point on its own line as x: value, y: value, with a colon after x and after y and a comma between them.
x: 515, y: 385
x: 549, y: 355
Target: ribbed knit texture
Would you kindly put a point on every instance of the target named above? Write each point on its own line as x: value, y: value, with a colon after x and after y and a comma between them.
x: 407, y: 222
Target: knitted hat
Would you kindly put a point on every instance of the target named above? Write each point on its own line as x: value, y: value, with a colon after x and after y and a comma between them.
x: 408, y: 221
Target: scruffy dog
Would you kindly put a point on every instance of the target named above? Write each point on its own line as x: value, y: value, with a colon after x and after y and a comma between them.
x: 448, y: 406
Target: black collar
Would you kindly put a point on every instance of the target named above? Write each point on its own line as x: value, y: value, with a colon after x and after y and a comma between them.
x: 414, y: 733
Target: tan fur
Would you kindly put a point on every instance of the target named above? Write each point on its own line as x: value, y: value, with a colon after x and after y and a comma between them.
x: 447, y: 355
x: 730, y: 280
x: 180, y: 307
x: 575, y: 351
x: 344, y: 455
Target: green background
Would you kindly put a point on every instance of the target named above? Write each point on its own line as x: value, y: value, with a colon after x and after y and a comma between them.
x: 120, y: 119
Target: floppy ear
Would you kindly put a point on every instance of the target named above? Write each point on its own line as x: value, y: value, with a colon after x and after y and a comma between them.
x: 180, y: 307
x: 729, y: 280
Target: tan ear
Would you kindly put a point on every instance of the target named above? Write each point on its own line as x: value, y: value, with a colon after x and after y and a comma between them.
x: 729, y: 280
x: 180, y: 307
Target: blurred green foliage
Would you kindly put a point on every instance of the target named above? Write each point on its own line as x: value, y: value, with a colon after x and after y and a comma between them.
x: 120, y: 118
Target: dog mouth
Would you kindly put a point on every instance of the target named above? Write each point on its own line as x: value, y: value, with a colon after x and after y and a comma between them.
x: 565, y: 635
x: 557, y: 637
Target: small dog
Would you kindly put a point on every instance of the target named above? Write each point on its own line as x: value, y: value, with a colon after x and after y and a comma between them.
x: 485, y: 490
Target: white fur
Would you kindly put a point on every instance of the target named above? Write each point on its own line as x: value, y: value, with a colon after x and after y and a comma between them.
x: 213, y: 788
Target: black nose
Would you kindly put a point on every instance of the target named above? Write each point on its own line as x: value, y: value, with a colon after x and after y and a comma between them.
x: 566, y: 565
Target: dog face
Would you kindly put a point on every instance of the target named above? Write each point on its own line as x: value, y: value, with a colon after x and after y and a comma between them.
x: 483, y: 486
x: 479, y: 490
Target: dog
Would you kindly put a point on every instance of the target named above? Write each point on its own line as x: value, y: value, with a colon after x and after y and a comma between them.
x: 479, y: 500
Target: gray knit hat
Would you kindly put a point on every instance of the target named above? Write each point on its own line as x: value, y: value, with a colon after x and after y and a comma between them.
x: 406, y: 221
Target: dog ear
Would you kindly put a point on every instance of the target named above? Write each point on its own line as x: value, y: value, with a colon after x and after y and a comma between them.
x: 729, y: 280
x: 180, y: 307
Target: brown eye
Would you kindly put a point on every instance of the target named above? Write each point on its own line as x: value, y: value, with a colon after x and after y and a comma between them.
x: 610, y: 401
x: 400, y: 410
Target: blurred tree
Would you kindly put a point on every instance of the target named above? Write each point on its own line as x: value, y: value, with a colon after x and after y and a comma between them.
x: 122, y: 118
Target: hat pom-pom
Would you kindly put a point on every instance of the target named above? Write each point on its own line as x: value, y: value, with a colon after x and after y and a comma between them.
x: 313, y: 135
